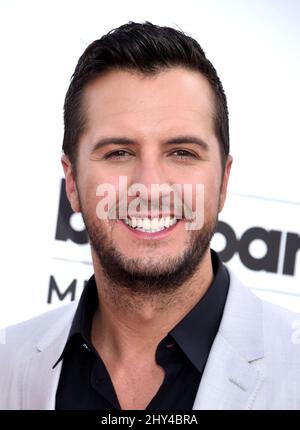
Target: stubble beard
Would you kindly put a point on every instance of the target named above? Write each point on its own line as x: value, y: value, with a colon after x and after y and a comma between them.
x: 140, y: 276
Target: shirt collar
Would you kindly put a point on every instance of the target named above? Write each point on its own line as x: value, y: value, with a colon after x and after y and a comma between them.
x: 83, y: 318
x: 88, y: 303
x: 194, y: 334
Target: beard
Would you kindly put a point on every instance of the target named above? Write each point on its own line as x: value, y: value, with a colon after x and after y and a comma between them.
x: 143, y: 275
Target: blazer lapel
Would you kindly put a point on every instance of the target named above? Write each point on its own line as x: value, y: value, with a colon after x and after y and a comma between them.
x: 40, y: 379
x: 230, y: 379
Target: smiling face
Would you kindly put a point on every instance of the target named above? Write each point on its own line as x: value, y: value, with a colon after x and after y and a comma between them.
x: 152, y: 130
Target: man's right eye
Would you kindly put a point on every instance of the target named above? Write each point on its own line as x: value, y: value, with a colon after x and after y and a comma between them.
x: 117, y: 154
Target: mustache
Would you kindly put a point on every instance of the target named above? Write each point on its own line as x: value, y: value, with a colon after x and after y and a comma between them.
x: 123, y: 210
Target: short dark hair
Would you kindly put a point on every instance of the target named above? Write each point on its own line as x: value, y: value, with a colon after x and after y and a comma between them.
x: 148, y: 49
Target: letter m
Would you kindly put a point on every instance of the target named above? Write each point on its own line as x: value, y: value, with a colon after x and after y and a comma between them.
x: 53, y: 288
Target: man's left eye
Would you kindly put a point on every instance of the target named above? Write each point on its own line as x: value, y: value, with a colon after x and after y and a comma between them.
x: 183, y: 153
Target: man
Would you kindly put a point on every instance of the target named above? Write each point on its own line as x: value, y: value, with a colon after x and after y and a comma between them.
x: 162, y: 324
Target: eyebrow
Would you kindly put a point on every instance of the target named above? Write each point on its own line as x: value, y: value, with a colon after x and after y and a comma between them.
x: 182, y: 139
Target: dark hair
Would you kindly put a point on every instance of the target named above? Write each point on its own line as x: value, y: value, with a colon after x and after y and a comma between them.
x: 145, y: 48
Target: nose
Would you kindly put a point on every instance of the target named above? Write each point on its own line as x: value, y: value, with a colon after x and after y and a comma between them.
x: 150, y: 171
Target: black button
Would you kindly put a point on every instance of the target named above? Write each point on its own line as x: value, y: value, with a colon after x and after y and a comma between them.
x: 170, y: 345
x: 86, y: 347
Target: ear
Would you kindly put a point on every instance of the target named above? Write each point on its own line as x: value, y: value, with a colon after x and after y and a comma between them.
x: 71, y: 188
x: 223, y: 191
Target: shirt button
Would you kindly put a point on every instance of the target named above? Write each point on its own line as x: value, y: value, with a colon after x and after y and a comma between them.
x: 86, y: 347
x: 170, y: 345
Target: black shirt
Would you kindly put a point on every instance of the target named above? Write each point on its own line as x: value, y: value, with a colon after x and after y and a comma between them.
x: 85, y: 383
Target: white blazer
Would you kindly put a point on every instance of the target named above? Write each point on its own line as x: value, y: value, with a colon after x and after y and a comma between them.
x: 254, y: 362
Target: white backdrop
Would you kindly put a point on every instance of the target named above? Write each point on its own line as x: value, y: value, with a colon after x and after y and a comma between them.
x: 254, y: 44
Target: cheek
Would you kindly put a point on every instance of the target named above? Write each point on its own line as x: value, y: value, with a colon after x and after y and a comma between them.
x: 206, y: 196
x: 93, y: 185
x: 211, y: 198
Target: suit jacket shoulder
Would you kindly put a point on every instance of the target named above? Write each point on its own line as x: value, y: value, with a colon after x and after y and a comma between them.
x: 40, y: 330
x: 27, y: 355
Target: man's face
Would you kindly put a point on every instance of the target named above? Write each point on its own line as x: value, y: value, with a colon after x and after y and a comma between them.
x: 148, y: 113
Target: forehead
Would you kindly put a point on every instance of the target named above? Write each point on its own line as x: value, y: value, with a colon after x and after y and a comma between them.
x: 133, y: 102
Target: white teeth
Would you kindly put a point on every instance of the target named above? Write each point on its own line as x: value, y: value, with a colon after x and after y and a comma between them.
x: 155, y: 224
x: 167, y: 222
x: 173, y: 221
x: 146, y: 224
x: 150, y: 226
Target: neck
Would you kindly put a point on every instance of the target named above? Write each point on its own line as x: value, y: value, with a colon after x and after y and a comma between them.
x: 127, y: 323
